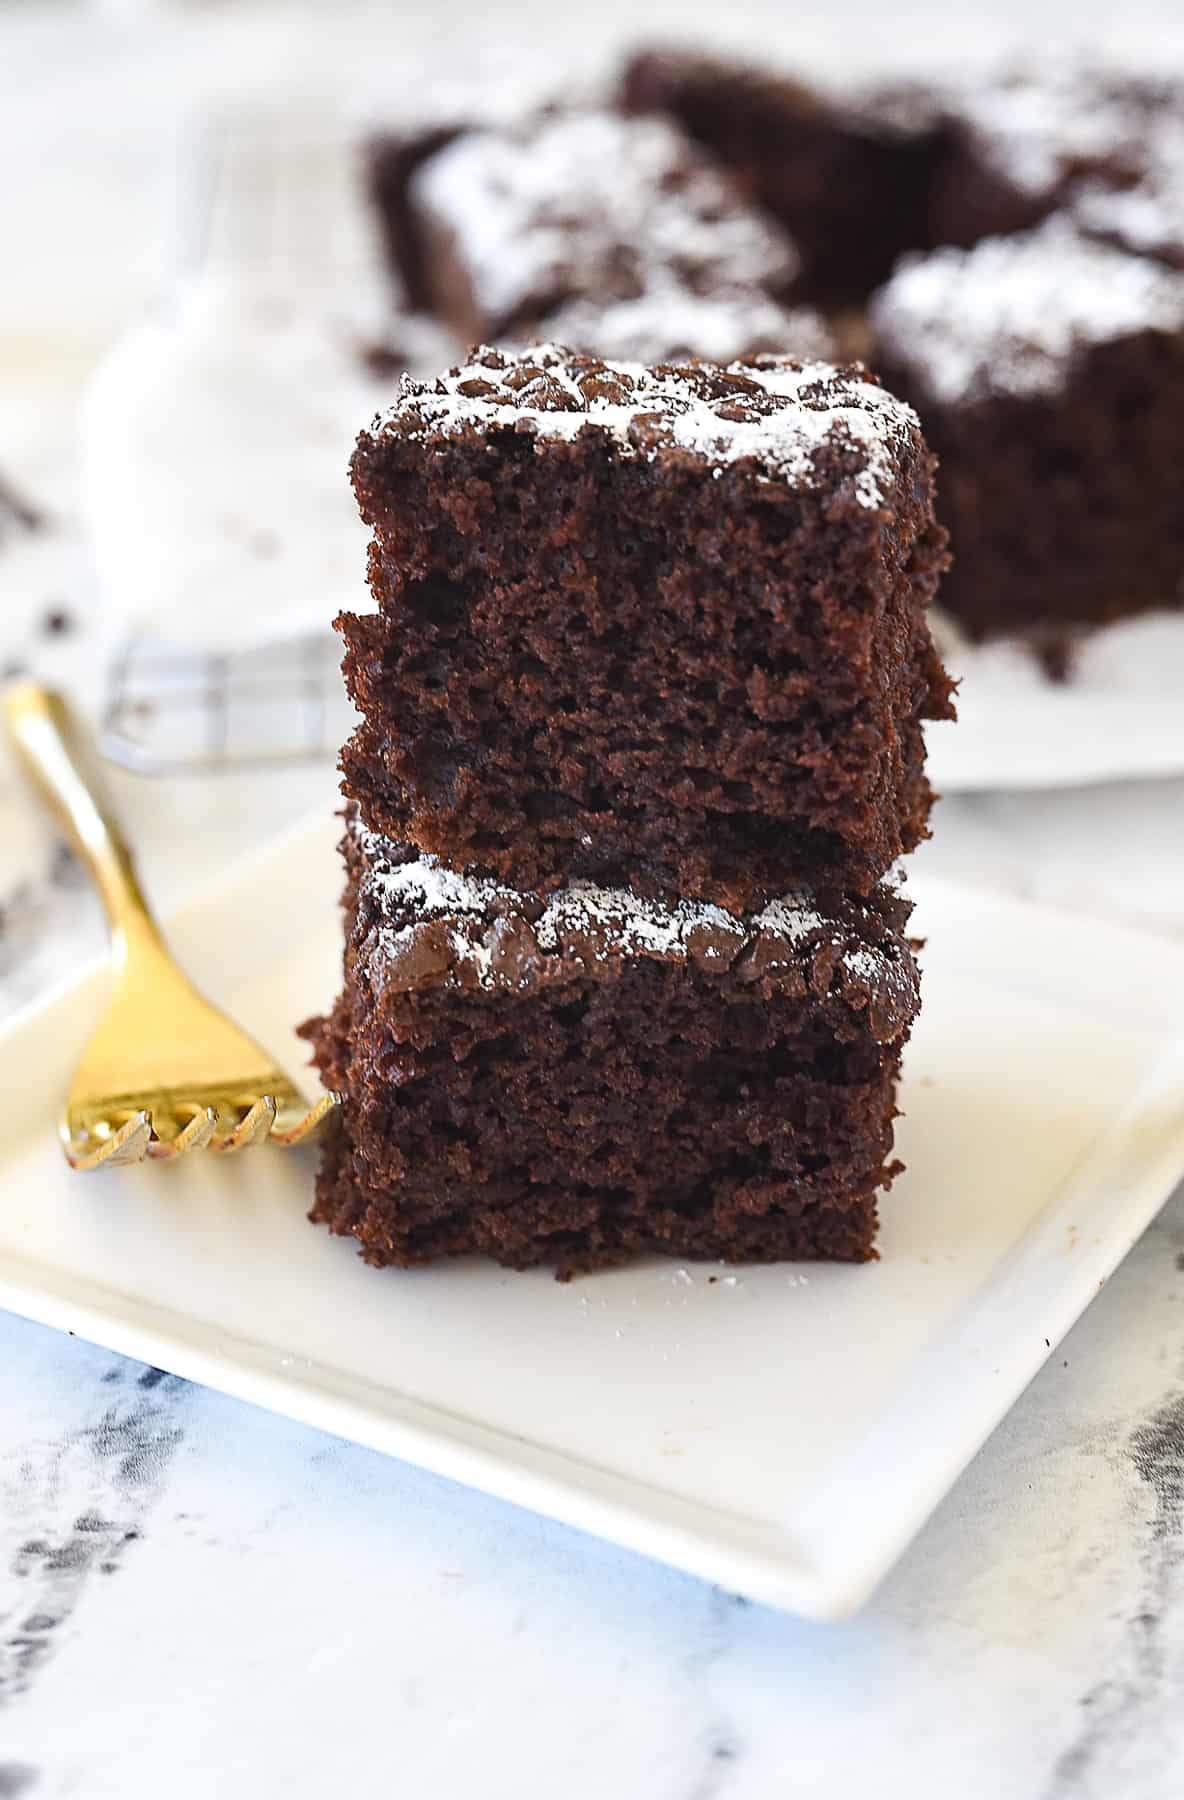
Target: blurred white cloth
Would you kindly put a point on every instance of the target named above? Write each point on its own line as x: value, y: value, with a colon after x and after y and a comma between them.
x: 215, y: 449
x: 216, y: 435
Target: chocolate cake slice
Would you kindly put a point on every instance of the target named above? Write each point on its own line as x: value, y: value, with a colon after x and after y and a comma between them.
x: 505, y: 83
x: 582, y: 206
x: 575, y: 1079
x: 848, y: 176
x: 661, y: 627
x: 1048, y: 371
x: 1023, y: 142
x: 392, y: 161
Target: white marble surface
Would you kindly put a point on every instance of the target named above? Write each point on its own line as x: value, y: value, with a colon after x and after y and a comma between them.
x: 197, y: 1598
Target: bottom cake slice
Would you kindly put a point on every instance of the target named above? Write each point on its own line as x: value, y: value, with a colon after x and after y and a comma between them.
x: 576, y: 1079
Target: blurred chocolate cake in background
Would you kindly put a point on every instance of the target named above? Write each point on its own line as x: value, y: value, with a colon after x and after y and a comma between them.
x: 701, y: 207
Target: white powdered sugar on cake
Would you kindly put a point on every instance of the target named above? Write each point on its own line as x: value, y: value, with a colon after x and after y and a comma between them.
x: 901, y: 109
x: 1149, y: 215
x: 777, y: 411
x: 635, y: 924
x: 668, y: 321
x: 1009, y: 316
x: 1036, y: 129
x: 586, y: 201
x: 789, y: 917
x: 866, y: 963
x: 628, y: 923
x: 619, y: 921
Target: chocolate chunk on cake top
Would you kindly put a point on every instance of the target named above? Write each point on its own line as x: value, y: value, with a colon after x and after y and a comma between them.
x: 578, y: 1078
x: 661, y: 627
x: 1047, y: 370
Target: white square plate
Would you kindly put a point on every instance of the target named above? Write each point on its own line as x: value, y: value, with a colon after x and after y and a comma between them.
x: 783, y: 1431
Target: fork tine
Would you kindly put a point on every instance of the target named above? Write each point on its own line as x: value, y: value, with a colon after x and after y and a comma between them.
x: 317, y: 1116
x: 254, y: 1125
x: 195, y: 1136
x: 127, y: 1145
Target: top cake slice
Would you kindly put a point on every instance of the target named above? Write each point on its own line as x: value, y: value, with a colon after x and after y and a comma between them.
x: 663, y: 625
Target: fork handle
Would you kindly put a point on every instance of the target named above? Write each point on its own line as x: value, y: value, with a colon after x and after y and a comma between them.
x: 47, y: 737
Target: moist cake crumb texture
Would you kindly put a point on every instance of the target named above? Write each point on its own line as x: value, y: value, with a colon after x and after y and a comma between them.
x: 662, y: 628
x: 576, y: 1079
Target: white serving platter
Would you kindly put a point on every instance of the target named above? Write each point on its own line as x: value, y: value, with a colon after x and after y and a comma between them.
x: 782, y: 1431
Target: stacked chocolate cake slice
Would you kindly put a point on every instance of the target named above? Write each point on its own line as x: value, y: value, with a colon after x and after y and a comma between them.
x: 641, y: 737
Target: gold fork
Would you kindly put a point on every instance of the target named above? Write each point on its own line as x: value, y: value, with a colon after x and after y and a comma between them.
x: 165, y: 1072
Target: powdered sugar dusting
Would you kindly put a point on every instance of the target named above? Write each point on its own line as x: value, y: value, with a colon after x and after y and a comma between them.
x: 1009, y: 316
x: 603, y: 921
x: 1037, y: 130
x: 426, y: 886
x: 1148, y: 216
x: 668, y: 321
x: 592, y: 203
x: 905, y: 109
x: 864, y: 962
x: 790, y: 918
x: 775, y: 410
x: 630, y: 922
